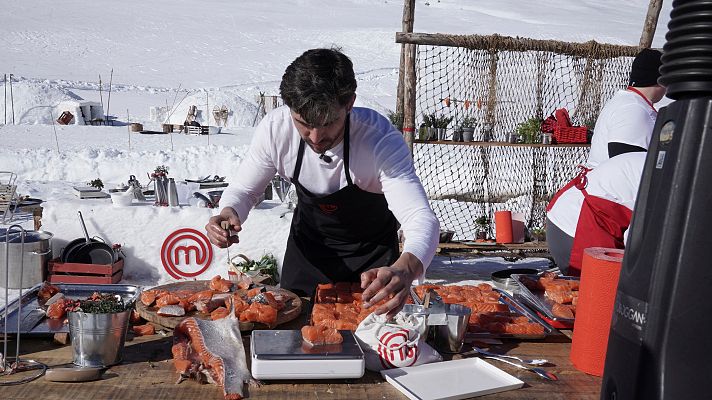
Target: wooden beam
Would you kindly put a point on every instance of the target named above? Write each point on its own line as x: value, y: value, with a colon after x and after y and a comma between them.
x: 651, y: 22
x: 508, y: 43
x: 408, y: 21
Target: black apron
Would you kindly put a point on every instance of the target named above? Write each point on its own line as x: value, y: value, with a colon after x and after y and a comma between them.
x: 336, y: 237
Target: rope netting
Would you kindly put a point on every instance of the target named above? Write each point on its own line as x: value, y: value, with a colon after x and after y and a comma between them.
x: 501, y: 84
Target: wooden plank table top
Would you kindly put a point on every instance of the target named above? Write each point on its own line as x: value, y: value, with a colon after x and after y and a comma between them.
x: 147, y: 372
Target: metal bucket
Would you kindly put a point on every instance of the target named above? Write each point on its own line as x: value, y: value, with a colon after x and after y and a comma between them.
x: 450, y: 337
x: 98, y: 339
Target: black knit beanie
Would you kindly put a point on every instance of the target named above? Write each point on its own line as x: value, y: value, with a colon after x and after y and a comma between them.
x: 645, y: 70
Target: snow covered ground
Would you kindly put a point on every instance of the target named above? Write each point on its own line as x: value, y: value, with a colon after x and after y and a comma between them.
x: 164, y: 53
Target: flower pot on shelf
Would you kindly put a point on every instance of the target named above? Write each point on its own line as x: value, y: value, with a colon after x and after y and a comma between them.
x: 468, y: 134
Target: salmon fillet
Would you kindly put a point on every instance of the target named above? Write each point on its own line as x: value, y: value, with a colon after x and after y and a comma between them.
x: 562, y: 311
x: 148, y: 297
x: 212, y: 350
x: 320, y: 335
x: 167, y: 300
x: 143, y: 330
x: 219, y: 284
x: 57, y: 310
x: 46, y: 292
x: 260, y: 313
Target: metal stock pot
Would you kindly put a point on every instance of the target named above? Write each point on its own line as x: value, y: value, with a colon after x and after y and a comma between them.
x: 33, y: 257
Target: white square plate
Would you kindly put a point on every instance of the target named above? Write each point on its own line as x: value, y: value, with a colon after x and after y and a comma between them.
x: 451, y: 380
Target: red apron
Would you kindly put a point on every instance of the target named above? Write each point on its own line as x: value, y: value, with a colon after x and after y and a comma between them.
x: 601, y: 222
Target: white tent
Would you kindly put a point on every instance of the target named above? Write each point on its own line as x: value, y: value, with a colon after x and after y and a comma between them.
x: 240, y: 112
x: 84, y: 112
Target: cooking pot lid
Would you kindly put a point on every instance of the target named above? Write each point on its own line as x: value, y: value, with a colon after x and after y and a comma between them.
x: 30, y: 236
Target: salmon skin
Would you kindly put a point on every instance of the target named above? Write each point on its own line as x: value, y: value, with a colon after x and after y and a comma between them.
x: 212, y: 350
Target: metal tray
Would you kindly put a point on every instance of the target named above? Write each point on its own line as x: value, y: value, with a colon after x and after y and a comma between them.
x: 46, y: 326
x: 538, y: 300
x: 517, y: 308
x: 514, y: 307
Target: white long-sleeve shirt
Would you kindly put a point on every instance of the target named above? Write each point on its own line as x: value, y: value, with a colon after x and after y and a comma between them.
x: 379, y: 162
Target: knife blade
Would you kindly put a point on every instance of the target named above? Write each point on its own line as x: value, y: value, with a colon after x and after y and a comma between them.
x: 31, y: 320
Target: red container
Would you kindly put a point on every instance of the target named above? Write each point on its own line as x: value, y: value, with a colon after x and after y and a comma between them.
x: 599, y: 282
x: 570, y: 134
x: 60, y: 272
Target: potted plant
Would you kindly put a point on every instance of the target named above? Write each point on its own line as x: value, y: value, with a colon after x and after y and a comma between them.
x: 97, y: 183
x: 440, y: 125
x: 529, y: 130
x: 396, y: 119
x: 467, y: 125
x: 457, y: 134
x: 483, y: 226
x: 537, y: 235
x: 427, y: 128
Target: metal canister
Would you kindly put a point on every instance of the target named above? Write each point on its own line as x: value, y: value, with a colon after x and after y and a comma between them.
x: 161, y: 191
x: 450, y: 337
x: 172, y: 193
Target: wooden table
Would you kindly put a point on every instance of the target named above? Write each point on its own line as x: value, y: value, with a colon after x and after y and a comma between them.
x: 147, y: 373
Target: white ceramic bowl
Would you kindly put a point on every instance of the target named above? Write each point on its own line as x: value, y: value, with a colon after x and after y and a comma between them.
x: 122, y: 199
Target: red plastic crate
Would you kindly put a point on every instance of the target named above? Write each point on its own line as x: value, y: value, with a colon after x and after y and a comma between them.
x: 570, y: 134
x: 60, y: 272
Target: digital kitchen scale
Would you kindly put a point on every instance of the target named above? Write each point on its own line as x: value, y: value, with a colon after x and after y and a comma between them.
x: 283, y: 354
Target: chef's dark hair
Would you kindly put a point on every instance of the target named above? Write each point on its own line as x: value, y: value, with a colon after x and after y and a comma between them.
x: 318, y: 82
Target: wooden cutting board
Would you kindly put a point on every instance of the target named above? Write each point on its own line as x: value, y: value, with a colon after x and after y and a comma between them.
x: 292, y: 306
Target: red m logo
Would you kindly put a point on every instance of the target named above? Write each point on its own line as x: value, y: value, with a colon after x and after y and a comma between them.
x: 187, y: 250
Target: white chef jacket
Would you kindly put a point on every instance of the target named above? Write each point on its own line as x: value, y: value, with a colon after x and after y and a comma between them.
x: 616, y: 179
x: 626, y: 118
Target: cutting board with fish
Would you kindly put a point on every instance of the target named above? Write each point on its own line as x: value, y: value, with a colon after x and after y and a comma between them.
x: 260, y: 307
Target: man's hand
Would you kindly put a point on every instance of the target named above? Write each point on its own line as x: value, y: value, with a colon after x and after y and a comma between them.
x: 391, y: 283
x: 218, y: 235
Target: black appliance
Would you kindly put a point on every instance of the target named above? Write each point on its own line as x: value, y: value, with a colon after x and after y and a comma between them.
x: 660, y: 343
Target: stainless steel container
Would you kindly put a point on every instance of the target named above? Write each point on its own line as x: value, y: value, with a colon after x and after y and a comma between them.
x: 34, y: 257
x: 450, y: 337
x: 172, y: 193
x: 98, y: 339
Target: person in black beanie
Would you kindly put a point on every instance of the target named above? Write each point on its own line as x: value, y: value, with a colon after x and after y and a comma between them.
x: 626, y: 122
x: 625, y: 125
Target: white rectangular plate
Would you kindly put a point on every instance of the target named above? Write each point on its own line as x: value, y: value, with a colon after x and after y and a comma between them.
x: 451, y: 380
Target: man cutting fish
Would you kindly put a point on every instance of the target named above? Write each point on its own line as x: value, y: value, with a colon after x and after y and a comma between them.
x: 355, y: 182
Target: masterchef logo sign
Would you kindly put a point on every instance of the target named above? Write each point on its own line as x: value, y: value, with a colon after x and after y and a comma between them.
x: 395, y: 350
x: 186, y: 253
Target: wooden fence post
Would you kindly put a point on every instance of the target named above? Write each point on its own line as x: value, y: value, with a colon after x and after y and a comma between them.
x: 409, y: 96
x: 408, y: 17
x: 651, y: 22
